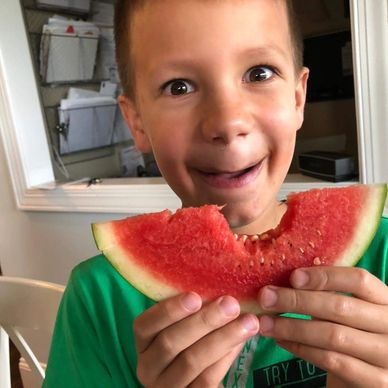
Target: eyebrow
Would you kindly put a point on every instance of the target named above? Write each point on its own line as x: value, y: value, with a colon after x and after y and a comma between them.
x: 267, y: 49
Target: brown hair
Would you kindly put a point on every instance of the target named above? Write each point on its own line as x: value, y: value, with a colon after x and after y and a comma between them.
x: 124, y: 12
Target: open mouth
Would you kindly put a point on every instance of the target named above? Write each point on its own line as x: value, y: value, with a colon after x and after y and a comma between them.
x: 233, y: 179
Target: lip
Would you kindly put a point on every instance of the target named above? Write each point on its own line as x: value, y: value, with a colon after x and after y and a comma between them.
x: 232, y: 180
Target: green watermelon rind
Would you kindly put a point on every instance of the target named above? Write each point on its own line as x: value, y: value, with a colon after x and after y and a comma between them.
x: 371, y: 215
x: 155, y: 289
x: 126, y: 264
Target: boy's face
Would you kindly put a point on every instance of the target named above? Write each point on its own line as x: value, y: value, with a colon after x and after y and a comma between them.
x: 218, y: 101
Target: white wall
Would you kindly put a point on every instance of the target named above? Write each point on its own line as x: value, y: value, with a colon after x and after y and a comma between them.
x: 42, y: 245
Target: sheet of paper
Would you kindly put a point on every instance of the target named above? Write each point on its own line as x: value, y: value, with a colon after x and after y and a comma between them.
x: 106, y: 67
x: 68, y: 50
x: 89, y: 121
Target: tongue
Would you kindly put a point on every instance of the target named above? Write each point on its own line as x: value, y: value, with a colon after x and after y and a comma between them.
x: 230, y: 175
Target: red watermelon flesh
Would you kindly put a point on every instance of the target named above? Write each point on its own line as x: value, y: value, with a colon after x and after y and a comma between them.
x: 163, y: 254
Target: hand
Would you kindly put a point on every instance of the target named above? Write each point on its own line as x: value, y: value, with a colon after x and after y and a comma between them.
x: 181, y: 343
x: 348, y: 336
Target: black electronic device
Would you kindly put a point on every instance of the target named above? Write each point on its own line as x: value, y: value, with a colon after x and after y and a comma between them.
x: 329, y: 166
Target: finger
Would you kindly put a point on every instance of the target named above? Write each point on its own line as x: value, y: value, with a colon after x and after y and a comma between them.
x: 370, y: 347
x: 209, y: 350
x: 181, y: 335
x: 213, y: 376
x: 161, y: 315
x: 335, y: 381
x: 355, y: 372
x: 355, y: 281
x: 328, y: 306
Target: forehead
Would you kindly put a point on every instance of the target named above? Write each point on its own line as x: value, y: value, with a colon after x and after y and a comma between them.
x: 157, y: 12
x: 166, y: 28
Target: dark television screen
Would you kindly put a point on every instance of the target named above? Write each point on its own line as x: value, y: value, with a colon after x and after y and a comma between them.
x: 329, y: 58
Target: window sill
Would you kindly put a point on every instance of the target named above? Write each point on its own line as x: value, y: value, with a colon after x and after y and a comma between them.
x: 131, y: 195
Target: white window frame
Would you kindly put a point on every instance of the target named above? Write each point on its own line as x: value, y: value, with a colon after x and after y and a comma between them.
x: 27, y: 149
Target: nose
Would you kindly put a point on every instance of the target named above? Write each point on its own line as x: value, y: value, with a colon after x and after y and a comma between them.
x: 225, y: 119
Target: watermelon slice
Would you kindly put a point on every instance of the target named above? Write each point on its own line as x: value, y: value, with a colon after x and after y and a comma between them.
x: 163, y: 254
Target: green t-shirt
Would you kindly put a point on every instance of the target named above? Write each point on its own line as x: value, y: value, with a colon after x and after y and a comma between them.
x: 93, y: 343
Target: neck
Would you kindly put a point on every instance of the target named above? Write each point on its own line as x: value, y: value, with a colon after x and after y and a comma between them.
x: 268, y: 220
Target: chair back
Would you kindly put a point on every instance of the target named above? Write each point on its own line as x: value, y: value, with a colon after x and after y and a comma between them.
x: 25, y: 304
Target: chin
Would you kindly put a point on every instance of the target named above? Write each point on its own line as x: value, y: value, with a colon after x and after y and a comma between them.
x: 239, y: 218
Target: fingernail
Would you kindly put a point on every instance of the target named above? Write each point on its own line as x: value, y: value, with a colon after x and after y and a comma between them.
x: 229, y: 306
x: 269, y: 297
x: 249, y: 322
x: 191, y: 301
x: 266, y: 323
x: 300, y: 278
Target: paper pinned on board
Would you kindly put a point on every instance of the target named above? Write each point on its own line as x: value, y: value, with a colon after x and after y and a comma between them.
x: 106, y: 60
x: 68, y: 50
x: 90, y: 120
x: 89, y: 123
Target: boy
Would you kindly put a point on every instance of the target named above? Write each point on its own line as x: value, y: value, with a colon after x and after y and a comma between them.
x: 216, y: 89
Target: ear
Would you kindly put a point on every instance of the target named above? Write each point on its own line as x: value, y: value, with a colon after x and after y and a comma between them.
x: 300, y: 94
x: 134, y: 122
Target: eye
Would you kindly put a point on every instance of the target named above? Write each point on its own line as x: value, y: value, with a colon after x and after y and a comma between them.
x: 177, y: 87
x: 259, y: 74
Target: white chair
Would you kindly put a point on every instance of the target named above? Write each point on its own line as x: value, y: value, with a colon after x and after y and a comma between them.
x: 25, y: 304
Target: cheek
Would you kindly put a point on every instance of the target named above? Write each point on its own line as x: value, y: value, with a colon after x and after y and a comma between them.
x: 166, y: 152
x: 160, y: 131
x: 282, y: 128
x: 170, y: 131
x: 168, y: 146
x: 281, y: 136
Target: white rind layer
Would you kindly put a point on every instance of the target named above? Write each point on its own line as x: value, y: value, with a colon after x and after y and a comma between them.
x: 127, y: 265
x: 371, y: 213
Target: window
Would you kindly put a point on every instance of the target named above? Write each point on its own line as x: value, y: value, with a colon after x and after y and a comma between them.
x: 27, y: 150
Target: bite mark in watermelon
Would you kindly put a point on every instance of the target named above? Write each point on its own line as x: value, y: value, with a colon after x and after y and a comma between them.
x: 164, y: 254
